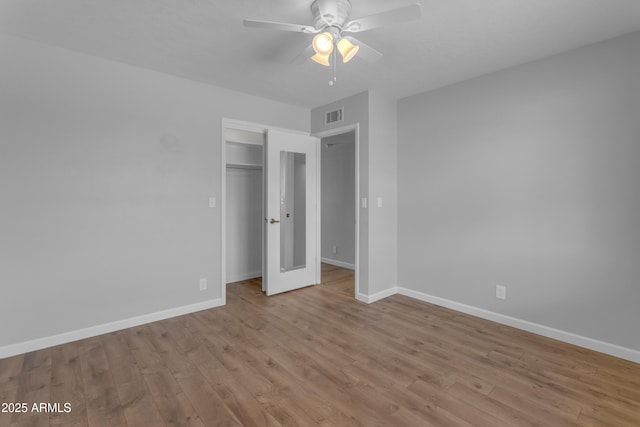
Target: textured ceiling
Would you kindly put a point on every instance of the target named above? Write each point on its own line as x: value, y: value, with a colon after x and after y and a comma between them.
x: 205, y: 40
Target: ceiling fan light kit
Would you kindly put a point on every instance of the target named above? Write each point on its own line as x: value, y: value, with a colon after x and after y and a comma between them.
x: 323, y: 44
x: 331, y: 19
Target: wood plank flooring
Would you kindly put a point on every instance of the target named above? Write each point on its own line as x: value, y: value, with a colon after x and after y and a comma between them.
x: 318, y: 357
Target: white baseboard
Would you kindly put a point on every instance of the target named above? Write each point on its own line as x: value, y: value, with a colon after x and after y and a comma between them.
x: 244, y: 276
x: 53, y: 340
x: 568, y: 337
x: 590, y: 343
x: 369, y: 299
x: 338, y: 263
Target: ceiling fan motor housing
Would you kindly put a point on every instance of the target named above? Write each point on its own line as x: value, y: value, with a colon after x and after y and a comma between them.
x: 330, y: 13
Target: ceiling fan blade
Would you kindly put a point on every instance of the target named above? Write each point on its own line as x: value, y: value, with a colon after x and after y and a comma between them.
x: 365, y: 52
x: 394, y: 16
x: 280, y: 26
x: 303, y: 56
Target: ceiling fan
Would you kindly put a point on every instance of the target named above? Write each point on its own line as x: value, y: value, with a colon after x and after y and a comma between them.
x: 331, y: 20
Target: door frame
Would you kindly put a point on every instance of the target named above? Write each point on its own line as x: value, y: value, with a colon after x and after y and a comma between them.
x: 339, y: 131
x: 227, y: 123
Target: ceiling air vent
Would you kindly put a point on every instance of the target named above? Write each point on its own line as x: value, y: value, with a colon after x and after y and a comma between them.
x: 334, y: 116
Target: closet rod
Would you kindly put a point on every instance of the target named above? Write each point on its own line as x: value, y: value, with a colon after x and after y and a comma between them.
x: 243, y: 166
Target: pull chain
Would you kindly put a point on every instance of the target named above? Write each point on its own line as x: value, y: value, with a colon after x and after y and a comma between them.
x: 333, y: 68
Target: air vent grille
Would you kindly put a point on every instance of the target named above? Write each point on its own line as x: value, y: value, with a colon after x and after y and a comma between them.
x: 334, y: 116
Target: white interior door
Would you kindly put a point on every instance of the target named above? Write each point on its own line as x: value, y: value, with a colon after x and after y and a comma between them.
x: 291, y: 226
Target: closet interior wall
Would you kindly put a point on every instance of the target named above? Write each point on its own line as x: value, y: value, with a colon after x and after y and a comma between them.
x: 244, y: 204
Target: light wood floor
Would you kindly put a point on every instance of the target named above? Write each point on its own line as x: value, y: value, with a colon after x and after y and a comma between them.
x: 316, y: 356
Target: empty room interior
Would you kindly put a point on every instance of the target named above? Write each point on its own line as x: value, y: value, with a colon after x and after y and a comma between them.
x: 329, y: 212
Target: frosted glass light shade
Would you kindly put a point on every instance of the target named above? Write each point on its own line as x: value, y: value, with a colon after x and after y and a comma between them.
x: 321, y: 59
x: 347, y: 49
x: 323, y: 44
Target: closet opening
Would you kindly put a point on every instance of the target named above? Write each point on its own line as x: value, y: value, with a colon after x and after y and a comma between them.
x: 244, y: 188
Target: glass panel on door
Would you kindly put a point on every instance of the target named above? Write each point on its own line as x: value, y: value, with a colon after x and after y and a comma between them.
x: 293, y: 236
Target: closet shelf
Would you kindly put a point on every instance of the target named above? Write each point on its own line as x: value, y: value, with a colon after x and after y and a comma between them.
x: 243, y: 166
x: 247, y: 144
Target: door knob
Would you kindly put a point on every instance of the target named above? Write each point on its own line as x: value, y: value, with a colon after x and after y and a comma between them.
x: 273, y: 221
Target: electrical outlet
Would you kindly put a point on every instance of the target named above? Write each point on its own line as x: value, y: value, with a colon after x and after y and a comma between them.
x: 212, y: 202
x: 203, y: 284
x: 501, y: 292
x: 335, y: 249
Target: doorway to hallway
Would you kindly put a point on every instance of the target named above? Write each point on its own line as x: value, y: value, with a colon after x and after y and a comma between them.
x: 338, y: 279
x: 339, y: 222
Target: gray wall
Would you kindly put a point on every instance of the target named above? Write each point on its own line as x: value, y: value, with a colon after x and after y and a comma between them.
x: 338, y: 198
x: 528, y: 178
x: 105, y: 175
x: 383, y: 184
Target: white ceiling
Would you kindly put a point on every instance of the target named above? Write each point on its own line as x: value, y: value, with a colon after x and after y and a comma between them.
x: 205, y: 40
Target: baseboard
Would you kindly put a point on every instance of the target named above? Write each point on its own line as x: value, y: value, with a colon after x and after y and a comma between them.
x: 244, y: 276
x: 568, y: 337
x: 369, y: 299
x: 40, y: 343
x: 338, y: 263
